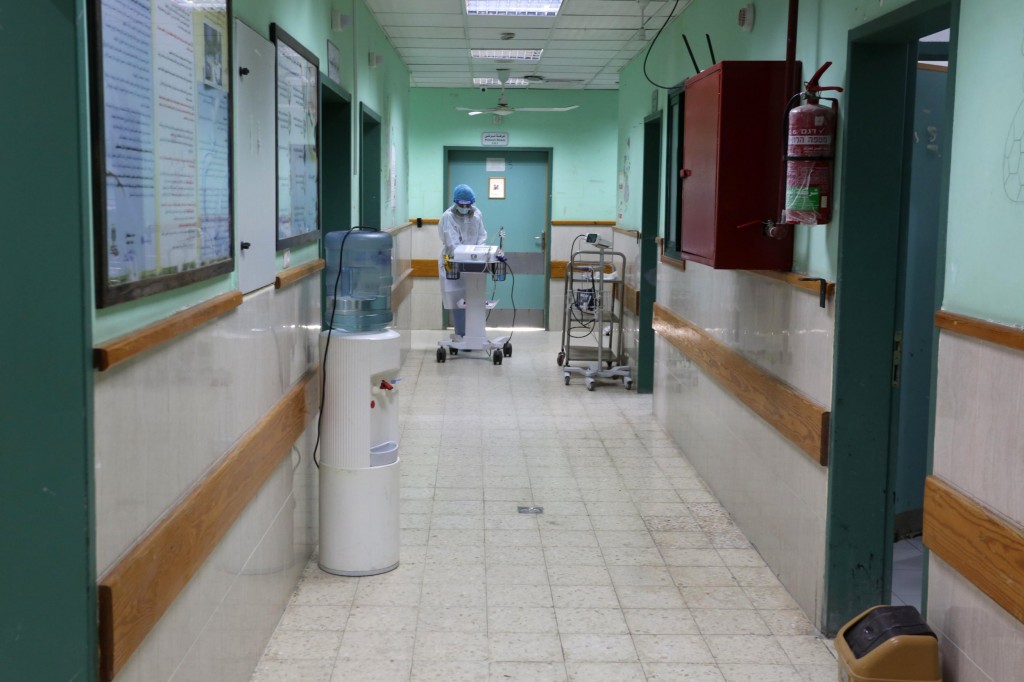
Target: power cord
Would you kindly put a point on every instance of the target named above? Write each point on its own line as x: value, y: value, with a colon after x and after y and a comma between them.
x: 327, y: 344
x: 648, y: 55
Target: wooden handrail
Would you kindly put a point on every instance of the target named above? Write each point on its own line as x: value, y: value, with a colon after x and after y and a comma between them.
x: 109, y: 353
x: 979, y: 543
x: 401, y: 289
x: 142, y: 585
x: 676, y: 263
x: 802, y: 421
x: 794, y: 279
x: 399, y: 228
x: 292, y: 275
x: 401, y: 280
x: 424, y: 267
x: 993, y: 332
x: 631, y: 299
x: 627, y: 232
x: 425, y: 221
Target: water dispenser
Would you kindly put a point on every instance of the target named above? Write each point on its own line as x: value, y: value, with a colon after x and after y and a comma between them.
x: 361, y: 298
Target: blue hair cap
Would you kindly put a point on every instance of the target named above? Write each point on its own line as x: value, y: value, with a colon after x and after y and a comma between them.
x: 464, y: 195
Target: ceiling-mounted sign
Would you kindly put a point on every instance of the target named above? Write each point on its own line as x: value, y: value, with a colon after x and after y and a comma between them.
x: 494, y: 139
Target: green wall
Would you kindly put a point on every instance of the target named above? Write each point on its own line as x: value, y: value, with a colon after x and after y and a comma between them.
x: 985, y: 234
x: 384, y: 89
x: 48, y: 596
x: 822, y: 30
x: 582, y: 143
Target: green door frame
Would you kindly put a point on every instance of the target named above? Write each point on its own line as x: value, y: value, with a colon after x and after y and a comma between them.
x: 47, y: 508
x: 369, y: 166
x: 649, y: 232
x: 335, y: 157
x: 445, y: 201
x: 882, y: 55
x: 335, y: 165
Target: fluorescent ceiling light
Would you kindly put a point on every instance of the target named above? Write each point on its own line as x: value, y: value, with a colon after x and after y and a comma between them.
x: 494, y: 82
x: 514, y: 8
x: 518, y: 55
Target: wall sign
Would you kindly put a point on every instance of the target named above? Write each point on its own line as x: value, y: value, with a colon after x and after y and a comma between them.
x: 494, y: 139
x: 161, y: 107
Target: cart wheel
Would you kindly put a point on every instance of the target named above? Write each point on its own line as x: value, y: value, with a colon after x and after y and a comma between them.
x: 560, y: 360
x: 497, y: 357
x: 441, y: 354
x: 566, y: 378
x: 507, y: 349
x: 590, y: 384
x: 629, y: 384
x: 453, y: 351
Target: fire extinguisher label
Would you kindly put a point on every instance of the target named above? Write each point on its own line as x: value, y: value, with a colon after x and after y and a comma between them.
x: 810, y: 139
x: 803, y: 198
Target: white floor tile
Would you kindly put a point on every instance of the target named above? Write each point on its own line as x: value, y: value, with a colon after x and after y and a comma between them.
x: 634, y: 571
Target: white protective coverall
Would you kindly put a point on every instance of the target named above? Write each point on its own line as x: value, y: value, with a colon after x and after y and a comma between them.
x: 454, y: 229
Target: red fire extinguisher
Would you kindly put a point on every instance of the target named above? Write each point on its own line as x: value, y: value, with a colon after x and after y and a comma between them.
x: 810, y: 154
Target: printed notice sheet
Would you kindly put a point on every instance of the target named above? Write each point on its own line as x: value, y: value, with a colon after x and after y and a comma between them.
x: 165, y: 90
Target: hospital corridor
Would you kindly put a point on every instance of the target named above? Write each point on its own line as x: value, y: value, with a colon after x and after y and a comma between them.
x: 512, y: 341
x: 631, y: 571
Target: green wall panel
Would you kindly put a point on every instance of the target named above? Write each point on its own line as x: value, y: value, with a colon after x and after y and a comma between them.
x: 986, y: 210
x: 582, y: 143
x: 48, y: 597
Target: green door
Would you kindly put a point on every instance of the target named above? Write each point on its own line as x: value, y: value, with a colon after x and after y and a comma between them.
x: 512, y: 193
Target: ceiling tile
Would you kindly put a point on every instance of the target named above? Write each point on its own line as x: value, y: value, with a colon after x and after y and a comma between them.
x: 585, y: 46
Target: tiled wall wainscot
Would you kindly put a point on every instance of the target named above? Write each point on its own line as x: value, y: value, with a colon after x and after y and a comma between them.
x: 978, y: 432
x: 163, y: 420
x: 774, y: 492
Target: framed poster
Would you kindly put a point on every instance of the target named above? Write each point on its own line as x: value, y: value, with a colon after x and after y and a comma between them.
x: 495, y: 188
x: 298, y: 141
x: 161, y: 140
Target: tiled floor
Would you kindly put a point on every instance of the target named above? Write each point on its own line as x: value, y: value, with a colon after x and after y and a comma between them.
x: 908, y: 572
x: 633, y: 571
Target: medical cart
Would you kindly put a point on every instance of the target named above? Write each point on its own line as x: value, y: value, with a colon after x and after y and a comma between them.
x: 592, y: 318
x: 476, y: 264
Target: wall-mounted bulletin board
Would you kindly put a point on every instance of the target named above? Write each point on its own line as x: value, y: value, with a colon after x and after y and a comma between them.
x: 298, y: 148
x: 161, y: 139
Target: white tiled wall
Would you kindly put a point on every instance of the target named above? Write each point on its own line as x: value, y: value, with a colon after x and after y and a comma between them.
x: 401, y: 259
x: 165, y: 418
x: 774, y: 492
x: 978, y: 432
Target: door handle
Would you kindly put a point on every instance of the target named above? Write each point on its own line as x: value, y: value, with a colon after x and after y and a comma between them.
x: 543, y: 239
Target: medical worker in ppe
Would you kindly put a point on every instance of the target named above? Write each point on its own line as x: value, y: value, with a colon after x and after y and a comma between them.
x: 462, y: 223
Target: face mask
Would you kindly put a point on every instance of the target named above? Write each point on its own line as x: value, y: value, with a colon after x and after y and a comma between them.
x: 464, y: 210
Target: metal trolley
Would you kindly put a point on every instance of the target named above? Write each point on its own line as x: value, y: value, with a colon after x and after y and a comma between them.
x: 476, y: 264
x: 592, y: 320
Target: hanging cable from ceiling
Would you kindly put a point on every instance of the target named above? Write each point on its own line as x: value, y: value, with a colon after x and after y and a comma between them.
x: 649, y: 47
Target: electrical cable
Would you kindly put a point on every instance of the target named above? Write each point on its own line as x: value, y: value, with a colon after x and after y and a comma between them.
x: 327, y: 344
x: 648, y: 55
x: 512, y: 298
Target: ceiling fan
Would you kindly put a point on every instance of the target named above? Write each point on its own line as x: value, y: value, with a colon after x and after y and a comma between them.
x: 503, y: 108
